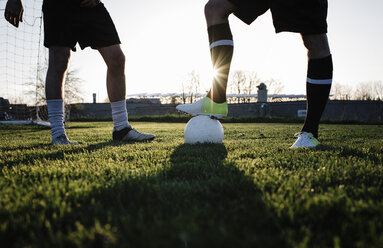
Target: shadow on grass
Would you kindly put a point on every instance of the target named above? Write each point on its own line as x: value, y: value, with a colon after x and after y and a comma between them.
x: 197, y: 200
x: 59, y: 154
x: 346, y: 152
x: 221, y: 207
x: 26, y: 147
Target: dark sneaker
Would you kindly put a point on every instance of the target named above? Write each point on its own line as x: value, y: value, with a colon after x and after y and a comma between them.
x: 131, y: 134
x: 63, y: 140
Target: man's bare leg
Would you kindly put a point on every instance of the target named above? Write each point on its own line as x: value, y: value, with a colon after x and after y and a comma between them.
x: 115, y: 79
x: 317, y: 46
x: 58, y: 64
x: 116, y: 87
x: 218, y: 11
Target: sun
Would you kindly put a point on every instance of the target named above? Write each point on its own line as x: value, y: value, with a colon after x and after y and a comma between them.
x: 213, y: 72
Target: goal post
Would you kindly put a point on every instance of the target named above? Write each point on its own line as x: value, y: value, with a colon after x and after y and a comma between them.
x: 22, y: 59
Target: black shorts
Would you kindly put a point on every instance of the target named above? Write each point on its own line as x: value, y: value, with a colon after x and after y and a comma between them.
x: 300, y: 16
x: 66, y: 23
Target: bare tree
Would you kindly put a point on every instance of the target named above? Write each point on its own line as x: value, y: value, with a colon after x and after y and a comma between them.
x: 252, y: 81
x: 341, y: 91
x: 183, y: 91
x: 274, y: 86
x: 378, y: 89
x: 246, y: 82
x: 365, y: 91
x: 72, y: 86
x: 192, y: 85
x: 238, y: 83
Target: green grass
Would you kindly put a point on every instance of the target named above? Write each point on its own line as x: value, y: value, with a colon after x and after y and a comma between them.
x: 181, y: 118
x: 252, y: 191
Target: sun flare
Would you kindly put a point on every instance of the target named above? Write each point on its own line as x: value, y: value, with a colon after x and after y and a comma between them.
x: 213, y: 72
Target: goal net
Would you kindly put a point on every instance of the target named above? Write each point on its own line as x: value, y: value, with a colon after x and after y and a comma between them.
x: 22, y: 67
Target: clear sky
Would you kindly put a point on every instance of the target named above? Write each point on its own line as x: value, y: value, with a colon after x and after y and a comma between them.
x: 165, y: 40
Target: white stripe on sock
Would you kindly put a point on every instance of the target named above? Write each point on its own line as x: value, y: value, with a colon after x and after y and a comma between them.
x: 56, y: 117
x: 119, y: 115
x: 221, y: 43
x: 319, y: 81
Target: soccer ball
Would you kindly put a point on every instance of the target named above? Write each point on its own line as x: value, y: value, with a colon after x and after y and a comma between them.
x: 203, y: 129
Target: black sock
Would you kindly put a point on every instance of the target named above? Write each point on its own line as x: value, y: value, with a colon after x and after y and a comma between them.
x: 319, y: 80
x: 221, y: 49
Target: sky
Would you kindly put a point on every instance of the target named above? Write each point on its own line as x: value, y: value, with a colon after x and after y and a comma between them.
x: 165, y: 40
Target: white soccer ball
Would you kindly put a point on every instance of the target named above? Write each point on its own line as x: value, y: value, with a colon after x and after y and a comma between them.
x: 203, y: 129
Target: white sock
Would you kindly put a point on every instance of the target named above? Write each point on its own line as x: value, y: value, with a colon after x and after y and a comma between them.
x: 120, y: 115
x: 56, y: 117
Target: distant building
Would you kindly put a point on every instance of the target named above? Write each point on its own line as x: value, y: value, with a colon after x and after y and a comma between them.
x: 144, y: 100
x: 262, y: 93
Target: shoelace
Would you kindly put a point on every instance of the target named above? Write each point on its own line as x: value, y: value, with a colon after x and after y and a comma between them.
x: 297, y: 135
x: 64, y: 140
x: 138, y: 133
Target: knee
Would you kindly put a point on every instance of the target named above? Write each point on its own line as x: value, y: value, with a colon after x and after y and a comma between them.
x: 58, y: 60
x: 317, y: 46
x: 218, y: 9
x: 116, y: 61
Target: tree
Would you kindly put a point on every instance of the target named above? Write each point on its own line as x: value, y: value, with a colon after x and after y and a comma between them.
x: 191, y: 86
x: 73, y: 86
x: 250, y: 87
x: 252, y: 81
x: 274, y: 86
x: 243, y: 82
x: 183, y: 90
x: 238, y: 83
x: 378, y: 89
x: 341, y: 91
x: 365, y: 91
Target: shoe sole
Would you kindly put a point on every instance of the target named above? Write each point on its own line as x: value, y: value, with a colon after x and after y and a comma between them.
x: 212, y: 116
x: 302, y: 147
x: 66, y: 144
x: 122, y: 140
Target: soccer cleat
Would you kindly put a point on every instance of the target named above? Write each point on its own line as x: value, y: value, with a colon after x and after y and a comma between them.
x: 63, y: 140
x: 131, y: 134
x: 305, y: 140
x: 205, y: 106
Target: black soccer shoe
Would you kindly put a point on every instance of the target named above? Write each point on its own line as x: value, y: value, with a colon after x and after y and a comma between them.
x: 131, y: 134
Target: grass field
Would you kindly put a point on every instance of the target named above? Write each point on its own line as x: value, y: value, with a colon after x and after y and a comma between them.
x: 252, y: 191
